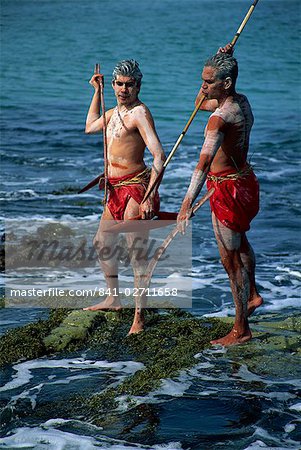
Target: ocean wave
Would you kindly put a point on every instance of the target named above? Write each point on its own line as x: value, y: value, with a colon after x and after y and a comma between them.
x: 262, y: 439
x: 63, y: 218
x: 48, y: 436
x: 72, y: 160
x: 31, y: 181
x: 24, y: 372
x: 278, y: 174
x: 29, y: 194
x: 23, y: 194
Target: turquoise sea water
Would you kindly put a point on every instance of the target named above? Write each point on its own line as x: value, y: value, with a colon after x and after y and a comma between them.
x: 48, y: 52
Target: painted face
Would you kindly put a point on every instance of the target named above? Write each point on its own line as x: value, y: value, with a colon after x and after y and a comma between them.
x: 126, y: 90
x: 212, y: 87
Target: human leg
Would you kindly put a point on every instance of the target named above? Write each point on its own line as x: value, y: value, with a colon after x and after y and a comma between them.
x: 229, y: 245
x: 248, y: 259
x: 108, y: 264
x: 137, y: 243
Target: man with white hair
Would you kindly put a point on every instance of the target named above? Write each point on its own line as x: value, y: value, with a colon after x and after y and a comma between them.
x: 130, y: 129
x: 235, y: 201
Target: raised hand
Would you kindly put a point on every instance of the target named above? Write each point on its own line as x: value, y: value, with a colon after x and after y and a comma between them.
x: 227, y: 49
x: 96, y: 80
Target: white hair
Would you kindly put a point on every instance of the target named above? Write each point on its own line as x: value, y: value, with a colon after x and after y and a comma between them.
x: 128, y: 68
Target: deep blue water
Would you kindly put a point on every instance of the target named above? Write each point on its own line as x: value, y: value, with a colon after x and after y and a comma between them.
x: 48, y: 52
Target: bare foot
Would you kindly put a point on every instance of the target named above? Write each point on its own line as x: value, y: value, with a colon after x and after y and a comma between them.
x: 254, y: 303
x: 233, y: 338
x: 108, y: 303
x: 136, y: 327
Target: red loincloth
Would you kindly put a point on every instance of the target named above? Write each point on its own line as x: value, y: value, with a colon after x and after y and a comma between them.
x: 235, y: 202
x: 119, y: 196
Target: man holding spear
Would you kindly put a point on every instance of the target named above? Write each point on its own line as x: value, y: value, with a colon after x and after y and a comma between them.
x: 128, y: 129
x: 235, y: 201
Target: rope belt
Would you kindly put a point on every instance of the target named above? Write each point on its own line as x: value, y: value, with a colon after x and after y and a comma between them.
x: 140, y: 178
x: 231, y: 176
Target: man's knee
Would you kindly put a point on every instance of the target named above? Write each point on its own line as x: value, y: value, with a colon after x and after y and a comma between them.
x: 231, y: 261
x: 99, y: 240
x: 96, y: 242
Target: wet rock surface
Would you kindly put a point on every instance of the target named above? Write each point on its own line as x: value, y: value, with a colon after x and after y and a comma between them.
x: 168, y: 345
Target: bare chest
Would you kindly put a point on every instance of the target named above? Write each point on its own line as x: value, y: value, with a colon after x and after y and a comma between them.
x: 120, y: 125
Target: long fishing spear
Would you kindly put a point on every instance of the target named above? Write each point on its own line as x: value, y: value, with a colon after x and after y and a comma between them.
x: 202, y: 98
x: 104, y: 131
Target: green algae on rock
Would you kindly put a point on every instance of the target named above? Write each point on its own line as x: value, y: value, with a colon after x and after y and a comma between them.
x: 275, y: 348
x: 166, y: 347
x: 27, y: 342
x: 290, y: 323
x: 74, y: 328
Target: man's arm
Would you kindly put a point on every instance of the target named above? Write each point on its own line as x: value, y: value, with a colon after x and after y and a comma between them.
x: 213, y: 141
x: 94, y: 121
x: 147, y: 130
